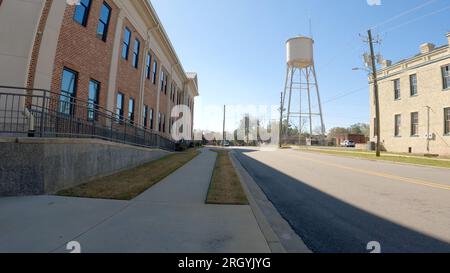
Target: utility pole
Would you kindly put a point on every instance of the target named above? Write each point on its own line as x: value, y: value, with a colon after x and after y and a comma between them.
x: 428, y: 129
x: 280, y: 130
x: 375, y: 93
x: 223, y: 128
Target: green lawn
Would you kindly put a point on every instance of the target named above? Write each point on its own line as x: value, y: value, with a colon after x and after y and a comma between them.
x: 225, y: 185
x: 130, y: 183
x: 384, y: 156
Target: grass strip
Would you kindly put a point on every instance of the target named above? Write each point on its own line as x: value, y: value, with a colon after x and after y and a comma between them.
x: 225, y: 188
x: 128, y: 184
x: 385, y: 157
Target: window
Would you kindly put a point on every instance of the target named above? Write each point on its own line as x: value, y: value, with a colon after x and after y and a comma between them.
x: 413, y: 84
x: 68, y: 91
x: 159, y: 122
x: 171, y: 90
x: 151, y: 118
x: 144, y: 116
x: 163, y: 123
x: 147, y: 69
x: 82, y: 12
x: 446, y: 76
x: 93, y: 100
x: 119, y: 107
x: 447, y: 121
x: 103, y: 21
x: 174, y: 91
x: 397, y: 89
x: 415, y: 124
x: 137, y: 46
x: 161, y: 79
x: 126, y: 43
x: 398, y: 123
x: 131, y: 110
x: 165, y: 84
x: 178, y: 97
x: 155, y: 71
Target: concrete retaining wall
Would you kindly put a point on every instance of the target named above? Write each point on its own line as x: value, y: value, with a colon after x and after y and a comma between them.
x: 43, y: 166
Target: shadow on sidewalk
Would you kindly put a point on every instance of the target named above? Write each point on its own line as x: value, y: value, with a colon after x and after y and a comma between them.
x: 328, y: 224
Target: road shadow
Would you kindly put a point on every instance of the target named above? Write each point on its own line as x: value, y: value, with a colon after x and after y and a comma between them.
x: 329, y: 225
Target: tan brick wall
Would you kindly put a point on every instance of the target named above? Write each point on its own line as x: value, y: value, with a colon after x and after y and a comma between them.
x: 81, y: 50
x: 430, y: 93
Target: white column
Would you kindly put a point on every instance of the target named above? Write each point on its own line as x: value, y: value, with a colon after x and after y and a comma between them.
x: 110, y: 96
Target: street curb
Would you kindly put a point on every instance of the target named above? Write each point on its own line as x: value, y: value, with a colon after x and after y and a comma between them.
x: 255, y: 195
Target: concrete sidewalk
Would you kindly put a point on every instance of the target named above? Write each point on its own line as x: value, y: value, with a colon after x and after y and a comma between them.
x: 169, y: 217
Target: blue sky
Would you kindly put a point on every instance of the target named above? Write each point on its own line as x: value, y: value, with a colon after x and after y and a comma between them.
x: 237, y: 47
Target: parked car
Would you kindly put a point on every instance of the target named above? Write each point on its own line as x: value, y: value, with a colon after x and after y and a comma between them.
x: 226, y: 143
x: 348, y: 143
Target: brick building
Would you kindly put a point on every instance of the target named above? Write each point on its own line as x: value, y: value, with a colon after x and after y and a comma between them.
x: 357, y: 138
x: 114, y: 53
x: 414, y: 97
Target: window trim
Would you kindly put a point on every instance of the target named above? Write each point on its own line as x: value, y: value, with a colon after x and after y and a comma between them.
x: 126, y: 43
x: 397, y: 127
x: 413, y: 124
x: 444, y: 82
x: 120, y: 116
x: 162, y: 77
x: 155, y: 71
x: 96, y: 102
x: 135, y: 61
x: 399, y: 89
x: 131, y: 114
x: 104, y: 36
x: 148, y: 66
x: 73, y: 96
x: 447, y: 121
x: 145, y: 116
x: 159, y: 122
x: 411, y: 86
x: 151, y: 115
x: 86, y: 14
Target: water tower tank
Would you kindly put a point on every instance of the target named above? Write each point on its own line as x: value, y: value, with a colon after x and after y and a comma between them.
x: 300, y: 51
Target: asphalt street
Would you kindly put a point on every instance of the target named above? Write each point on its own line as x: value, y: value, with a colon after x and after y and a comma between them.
x: 338, y: 204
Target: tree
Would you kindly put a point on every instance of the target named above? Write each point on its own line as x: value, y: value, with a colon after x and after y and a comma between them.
x: 337, y: 131
x: 360, y: 128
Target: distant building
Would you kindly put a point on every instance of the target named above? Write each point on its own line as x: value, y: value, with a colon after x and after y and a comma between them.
x: 357, y: 138
x: 414, y: 97
x: 114, y: 53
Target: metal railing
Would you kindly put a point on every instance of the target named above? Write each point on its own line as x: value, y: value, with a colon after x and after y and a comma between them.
x: 43, y: 113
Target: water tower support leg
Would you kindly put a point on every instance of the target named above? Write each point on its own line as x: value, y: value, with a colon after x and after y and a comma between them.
x: 309, y: 103
x: 292, y: 70
x: 320, y: 103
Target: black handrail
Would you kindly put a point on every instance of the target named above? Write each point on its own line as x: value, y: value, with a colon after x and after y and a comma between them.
x: 43, y: 113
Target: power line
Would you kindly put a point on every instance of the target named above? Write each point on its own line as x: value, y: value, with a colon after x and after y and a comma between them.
x: 343, y: 95
x: 349, y: 43
x: 403, y: 14
x: 417, y: 19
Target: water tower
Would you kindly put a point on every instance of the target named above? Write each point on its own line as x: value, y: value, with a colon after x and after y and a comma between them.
x: 301, y: 89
